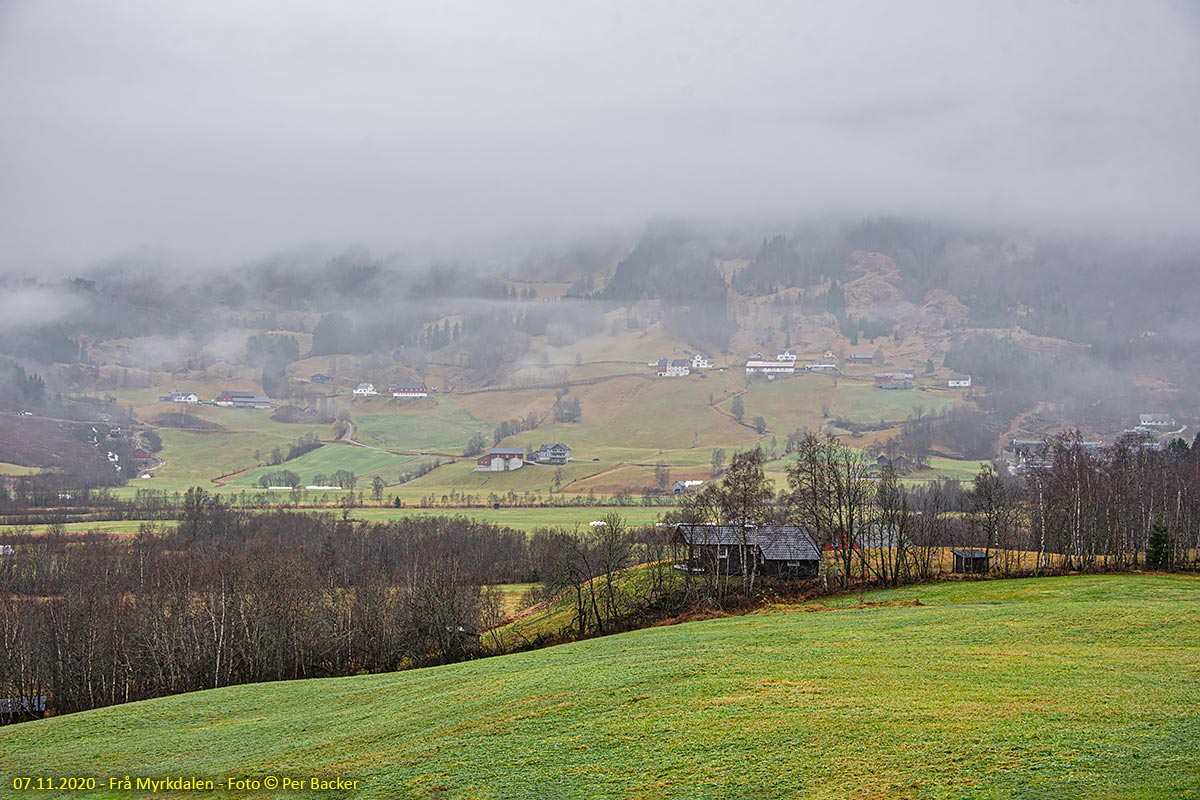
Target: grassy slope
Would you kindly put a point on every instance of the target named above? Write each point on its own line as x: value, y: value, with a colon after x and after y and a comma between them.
x: 433, y: 425
x: 634, y: 418
x: 329, y: 458
x: 194, y: 458
x: 523, y: 519
x: 647, y: 420
x: 1063, y: 687
x: 17, y: 469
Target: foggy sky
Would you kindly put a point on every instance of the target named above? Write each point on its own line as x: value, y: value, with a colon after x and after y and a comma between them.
x: 218, y: 131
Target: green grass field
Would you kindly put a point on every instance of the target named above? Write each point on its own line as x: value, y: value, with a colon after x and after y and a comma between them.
x: 790, y: 403
x: 363, y: 462
x: 524, y: 519
x: 17, y: 469
x: 631, y: 419
x: 434, y: 425
x: 512, y: 596
x: 193, y: 458
x: 119, y: 527
x: 1083, y: 686
x: 939, y: 468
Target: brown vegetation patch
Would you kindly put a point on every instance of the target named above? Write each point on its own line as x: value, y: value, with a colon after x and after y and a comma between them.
x: 860, y: 605
x: 186, y: 422
x: 49, y: 444
x: 941, y: 305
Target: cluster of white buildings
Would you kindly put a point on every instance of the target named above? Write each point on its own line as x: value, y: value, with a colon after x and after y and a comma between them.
x: 405, y: 389
x: 894, y: 380
x: 680, y: 367
x: 785, y: 364
x: 1155, y: 424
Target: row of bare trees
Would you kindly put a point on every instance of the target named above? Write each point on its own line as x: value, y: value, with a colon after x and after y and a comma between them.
x: 591, y: 566
x: 1072, y: 508
x: 235, y: 598
x: 232, y: 596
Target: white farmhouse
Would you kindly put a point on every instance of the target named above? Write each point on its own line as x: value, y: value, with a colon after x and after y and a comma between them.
x: 181, y: 397
x: 959, y: 381
x: 673, y: 368
x: 365, y: 390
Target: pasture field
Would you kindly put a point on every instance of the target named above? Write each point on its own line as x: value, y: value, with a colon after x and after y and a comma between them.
x: 1079, y: 686
x: 524, y: 519
x: 327, y: 459
x: 18, y: 469
x: 194, y: 458
x: 630, y: 423
x: 435, y: 424
x: 952, y: 468
x: 512, y: 596
x: 121, y: 527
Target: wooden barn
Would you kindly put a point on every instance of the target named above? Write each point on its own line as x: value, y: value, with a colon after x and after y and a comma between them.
x: 781, y: 551
x: 501, y: 459
x: 970, y: 561
x: 230, y: 399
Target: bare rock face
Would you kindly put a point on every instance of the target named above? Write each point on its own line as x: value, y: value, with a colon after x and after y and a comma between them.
x: 941, y: 307
x: 875, y: 292
x: 868, y: 262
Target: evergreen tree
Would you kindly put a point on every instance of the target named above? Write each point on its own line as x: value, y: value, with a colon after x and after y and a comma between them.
x: 1158, y: 548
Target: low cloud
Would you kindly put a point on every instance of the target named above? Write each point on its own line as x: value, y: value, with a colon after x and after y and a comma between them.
x: 32, y: 306
x: 221, y: 131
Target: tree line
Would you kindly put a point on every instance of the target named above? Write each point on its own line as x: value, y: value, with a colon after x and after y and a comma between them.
x: 232, y: 597
x: 1071, y: 508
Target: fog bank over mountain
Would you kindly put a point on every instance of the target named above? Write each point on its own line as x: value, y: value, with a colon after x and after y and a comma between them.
x: 220, y: 131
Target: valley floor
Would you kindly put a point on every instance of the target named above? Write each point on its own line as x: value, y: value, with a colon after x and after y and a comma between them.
x: 1080, y: 686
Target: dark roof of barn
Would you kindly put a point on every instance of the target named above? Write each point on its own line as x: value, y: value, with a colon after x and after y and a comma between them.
x: 970, y: 553
x: 777, y: 542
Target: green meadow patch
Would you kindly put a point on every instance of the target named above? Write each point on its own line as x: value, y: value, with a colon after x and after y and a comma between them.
x: 437, y: 425
x: 325, y: 460
x: 1083, y: 686
x: 18, y: 469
